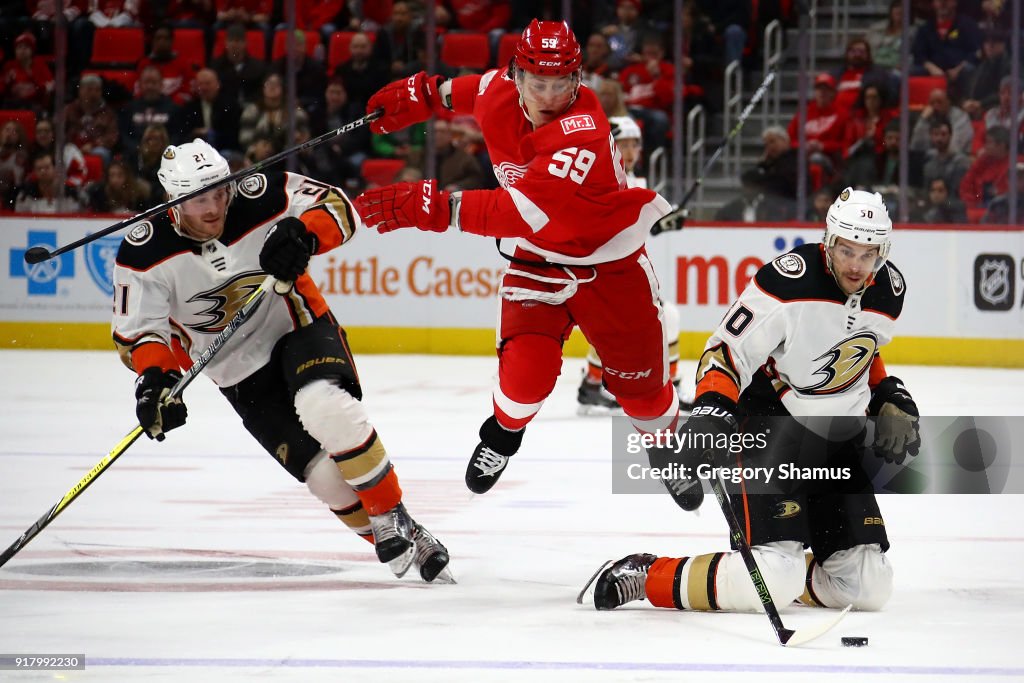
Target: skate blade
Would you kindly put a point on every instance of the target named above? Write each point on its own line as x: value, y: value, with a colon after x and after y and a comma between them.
x: 588, y: 410
x: 445, y: 577
x: 579, y: 598
x: 400, y: 565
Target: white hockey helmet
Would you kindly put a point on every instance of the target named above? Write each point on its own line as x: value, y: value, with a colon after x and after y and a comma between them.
x: 190, y: 167
x: 860, y: 217
x: 624, y: 128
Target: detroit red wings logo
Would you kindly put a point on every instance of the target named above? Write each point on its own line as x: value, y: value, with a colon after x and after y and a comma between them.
x: 508, y: 174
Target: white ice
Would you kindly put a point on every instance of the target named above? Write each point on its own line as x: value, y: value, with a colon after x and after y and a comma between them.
x: 153, y: 572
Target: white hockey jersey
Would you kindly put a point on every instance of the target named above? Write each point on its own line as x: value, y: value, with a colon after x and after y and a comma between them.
x: 173, y: 296
x: 794, y: 327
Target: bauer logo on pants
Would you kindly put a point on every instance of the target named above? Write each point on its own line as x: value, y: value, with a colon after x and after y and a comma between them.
x: 994, y: 282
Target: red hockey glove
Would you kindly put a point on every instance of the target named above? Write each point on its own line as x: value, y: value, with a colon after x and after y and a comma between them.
x: 405, y: 102
x: 405, y: 205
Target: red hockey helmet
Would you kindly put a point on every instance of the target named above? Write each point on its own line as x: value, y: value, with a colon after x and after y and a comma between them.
x: 548, y: 48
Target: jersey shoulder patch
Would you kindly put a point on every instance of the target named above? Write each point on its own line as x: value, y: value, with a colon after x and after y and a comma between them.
x: 886, y: 293
x: 149, y: 242
x: 260, y: 198
x: 799, y: 274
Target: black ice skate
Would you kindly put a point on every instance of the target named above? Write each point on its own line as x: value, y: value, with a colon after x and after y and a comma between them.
x: 393, y: 538
x: 431, y: 557
x: 619, y: 582
x: 593, y: 399
x: 491, y: 455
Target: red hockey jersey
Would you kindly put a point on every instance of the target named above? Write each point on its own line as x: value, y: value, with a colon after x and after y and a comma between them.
x: 563, y: 189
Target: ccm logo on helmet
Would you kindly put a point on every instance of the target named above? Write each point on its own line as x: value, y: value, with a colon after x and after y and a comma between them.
x: 574, y: 124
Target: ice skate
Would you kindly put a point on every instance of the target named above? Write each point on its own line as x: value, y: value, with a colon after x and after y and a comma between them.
x: 393, y: 538
x: 490, y: 457
x: 593, y: 399
x: 619, y: 582
x: 431, y: 557
x: 686, y: 398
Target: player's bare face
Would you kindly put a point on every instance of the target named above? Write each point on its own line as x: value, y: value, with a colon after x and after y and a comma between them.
x: 545, y: 97
x: 202, y: 217
x: 852, y: 264
x: 629, y: 148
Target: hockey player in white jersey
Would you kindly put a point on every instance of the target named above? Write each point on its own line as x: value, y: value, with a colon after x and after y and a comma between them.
x: 180, y: 277
x: 592, y: 397
x: 801, y: 340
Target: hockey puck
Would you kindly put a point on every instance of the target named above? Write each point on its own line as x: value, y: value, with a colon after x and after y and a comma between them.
x: 856, y: 641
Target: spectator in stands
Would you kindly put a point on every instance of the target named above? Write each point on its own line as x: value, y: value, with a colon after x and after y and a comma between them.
x: 120, y: 192
x: 146, y: 163
x: 1000, y: 115
x: 75, y: 171
x: 241, y: 75
x: 729, y: 19
x: 325, y: 16
x: 268, y: 117
x: 456, y: 168
x: 880, y: 172
x: 982, y: 89
x: 820, y: 201
x: 595, y: 60
x: 211, y: 115
x: 310, y: 73
x: 999, y: 209
x: 612, y: 98
x: 988, y: 175
x: 176, y: 74
x: 90, y: 123
x: 419, y: 63
x: 624, y: 35
x: 866, y: 128
x: 942, y: 161
x: 886, y: 37
x: 342, y: 155
x: 26, y: 81
x: 774, y: 176
x: 947, y: 45
x: 407, y: 144
x: 942, y: 205
x: 648, y: 86
x: 748, y: 207
x: 43, y: 14
x: 487, y: 16
x: 825, y: 128
x: 261, y: 148
x: 189, y: 13
x: 857, y: 73
x: 395, y: 44
x: 940, y: 107
x: 114, y: 13
x: 251, y: 13
x: 362, y: 75
x: 42, y: 194
x: 151, y: 106
x: 14, y: 155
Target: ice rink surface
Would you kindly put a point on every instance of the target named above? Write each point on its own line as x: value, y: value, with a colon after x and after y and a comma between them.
x: 200, y: 559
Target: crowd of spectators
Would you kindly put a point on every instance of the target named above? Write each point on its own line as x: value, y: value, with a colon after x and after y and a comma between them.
x: 233, y: 93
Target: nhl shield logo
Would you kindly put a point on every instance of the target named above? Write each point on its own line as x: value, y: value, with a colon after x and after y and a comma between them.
x: 993, y: 282
x: 99, y: 260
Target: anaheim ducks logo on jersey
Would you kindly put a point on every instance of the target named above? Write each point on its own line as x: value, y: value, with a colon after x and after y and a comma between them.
x: 224, y: 302
x: 508, y: 174
x: 844, y: 364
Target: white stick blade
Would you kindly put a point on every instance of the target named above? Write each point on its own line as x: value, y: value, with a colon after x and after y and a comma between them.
x: 806, y: 635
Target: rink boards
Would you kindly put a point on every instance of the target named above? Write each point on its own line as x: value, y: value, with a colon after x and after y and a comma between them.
x: 413, y: 292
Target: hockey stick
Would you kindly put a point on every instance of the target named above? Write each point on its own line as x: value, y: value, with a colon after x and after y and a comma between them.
x: 786, y: 636
x: 674, y: 219
x: 39, y: 254
x: 204, y: 359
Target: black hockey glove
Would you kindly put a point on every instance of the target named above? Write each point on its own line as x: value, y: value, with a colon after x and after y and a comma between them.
x: 156, y: 416
x: 710, y: 424
x: 896, y: 429
x: 287, y: 249
x: 673, y: 221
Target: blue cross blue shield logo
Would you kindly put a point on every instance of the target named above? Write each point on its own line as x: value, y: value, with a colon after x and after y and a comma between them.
x: 42, y: 277
x: 99, y: 260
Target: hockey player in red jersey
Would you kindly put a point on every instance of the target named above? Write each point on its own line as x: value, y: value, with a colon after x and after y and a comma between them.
x: 181, y: 277
x: 801, y: 340
x: 572, y: 229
